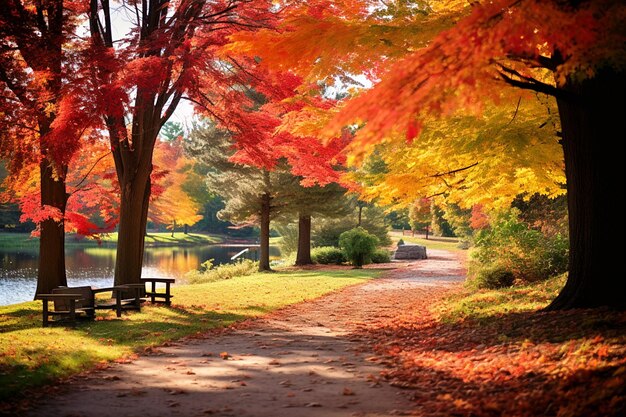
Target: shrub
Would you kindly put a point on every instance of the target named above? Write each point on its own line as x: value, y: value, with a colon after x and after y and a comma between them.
x: 326, y: 232
x: 527, y: 253
x: 358, y: 245
x: 494, y: 278
x: 225, y: 271
x: 400, y: 242
x: 381, y: 256
x: 328, y: 255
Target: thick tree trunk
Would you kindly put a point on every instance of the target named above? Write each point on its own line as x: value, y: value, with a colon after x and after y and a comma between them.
x: 594, y: 130
x: 360, y: 218
x: 264, y: 257
x: 186, y: 229
x: 132, y: 230
x: 51, y: 273
x: 303, y: 256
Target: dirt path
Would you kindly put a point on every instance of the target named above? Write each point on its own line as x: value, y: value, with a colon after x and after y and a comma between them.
x: 301, y: 361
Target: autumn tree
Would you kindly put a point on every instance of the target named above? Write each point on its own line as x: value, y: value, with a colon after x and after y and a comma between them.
x: 571, y: 50
x: 420, y: 215
x: 43, y: 112
x: 170, y: 203
x: 169, y: 54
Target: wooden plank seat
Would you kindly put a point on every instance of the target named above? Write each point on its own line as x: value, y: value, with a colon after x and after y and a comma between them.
x: 73, y: 303
x: 155, y: 296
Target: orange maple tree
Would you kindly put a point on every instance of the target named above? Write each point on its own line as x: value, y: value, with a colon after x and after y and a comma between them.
x: 464, y: 56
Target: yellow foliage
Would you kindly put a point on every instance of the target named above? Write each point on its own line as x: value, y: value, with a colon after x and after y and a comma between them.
x: 487, y: 159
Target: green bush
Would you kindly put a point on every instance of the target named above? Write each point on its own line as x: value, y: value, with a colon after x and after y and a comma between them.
x: 494, y: 278
x: 225, y: 271
x: 328, y: 255
x: 513, y: 245
x: 358, y: 245
x: 381, y: 256
x: 326, y: 232
x: 400, y: 242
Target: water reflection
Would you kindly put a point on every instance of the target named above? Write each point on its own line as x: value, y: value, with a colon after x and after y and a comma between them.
x: 95, y: 266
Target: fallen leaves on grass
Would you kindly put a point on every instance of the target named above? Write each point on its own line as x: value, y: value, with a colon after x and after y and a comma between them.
x: 565, y: 363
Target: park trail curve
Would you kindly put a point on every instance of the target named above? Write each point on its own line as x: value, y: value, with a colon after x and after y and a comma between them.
x: 304, y: 360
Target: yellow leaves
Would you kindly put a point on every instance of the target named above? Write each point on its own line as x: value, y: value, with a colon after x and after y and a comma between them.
x: 484, y: 160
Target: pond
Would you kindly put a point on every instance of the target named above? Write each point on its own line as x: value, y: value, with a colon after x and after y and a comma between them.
x: 95, y: 266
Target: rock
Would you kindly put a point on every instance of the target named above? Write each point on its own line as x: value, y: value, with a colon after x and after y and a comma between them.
x: 410, y: 252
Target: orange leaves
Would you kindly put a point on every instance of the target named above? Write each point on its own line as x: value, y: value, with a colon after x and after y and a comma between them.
x: 520, y: 364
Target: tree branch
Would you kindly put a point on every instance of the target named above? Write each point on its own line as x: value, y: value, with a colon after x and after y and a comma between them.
x: 454, y: 171
x: 529, y: 83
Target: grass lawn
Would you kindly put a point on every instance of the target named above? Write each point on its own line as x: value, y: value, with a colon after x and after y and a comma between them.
x: 31, y: 355
x: 21, y: 240
x: 451, y: 244
x: 486, y: 304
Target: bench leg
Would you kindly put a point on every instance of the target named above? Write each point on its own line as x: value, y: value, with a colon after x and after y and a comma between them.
x: 45, y: 313
x: 167, y: 294
x: 118, y: 305
x: 73, y: 312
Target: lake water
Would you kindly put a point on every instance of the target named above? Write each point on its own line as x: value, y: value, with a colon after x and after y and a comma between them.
x: 95, y: 266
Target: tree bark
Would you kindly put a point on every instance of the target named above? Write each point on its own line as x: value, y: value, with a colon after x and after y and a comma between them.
x: 264, y: 257
x: 303, y: 256
x: 51, y: 272
x: 132, y: 229
x: 593, y: 126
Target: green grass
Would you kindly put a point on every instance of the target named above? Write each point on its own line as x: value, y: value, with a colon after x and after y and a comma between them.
x: 31, y: 355
x: 486, y: 304
x: 24, y: 240
x: 450, y: 244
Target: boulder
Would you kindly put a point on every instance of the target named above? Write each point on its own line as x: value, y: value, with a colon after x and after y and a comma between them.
x: 410, y: 252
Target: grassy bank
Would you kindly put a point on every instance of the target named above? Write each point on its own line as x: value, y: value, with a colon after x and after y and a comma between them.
x: 31, y: 355
x: 24, y: 240
x: 486, y: 304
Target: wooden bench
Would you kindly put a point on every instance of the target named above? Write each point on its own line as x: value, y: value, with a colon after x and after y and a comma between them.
x: 160, y: 297
x: 65, y: 308
x: 72, y: 303
x: 131, y: 296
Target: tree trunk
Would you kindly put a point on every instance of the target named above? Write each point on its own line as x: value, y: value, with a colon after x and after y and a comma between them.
x: 173, y: 227
x: 51, y: 272
x: 304, y: 240
x: 186, y: 229
x: 264, y: 258
x: 360, y: 216
x: 132, y: 230
x: 593, y: 127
